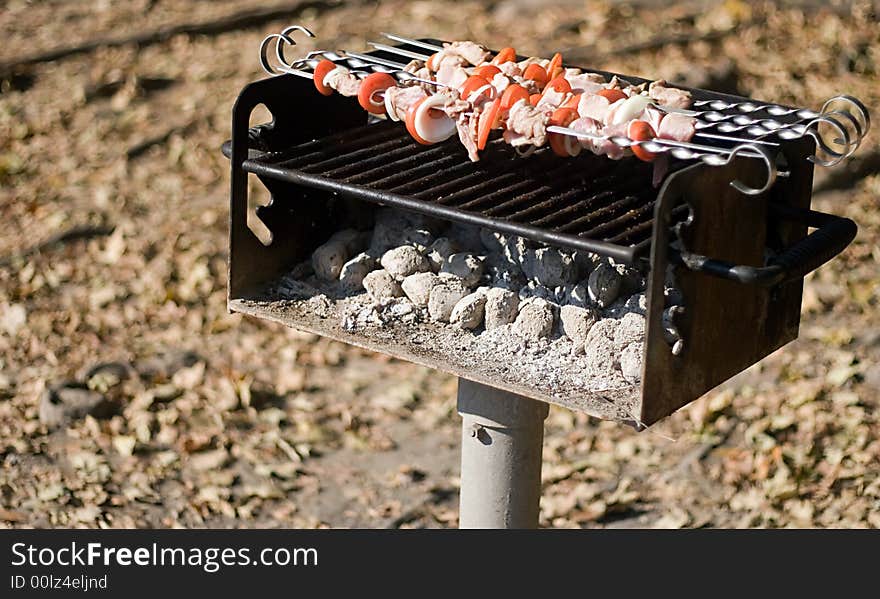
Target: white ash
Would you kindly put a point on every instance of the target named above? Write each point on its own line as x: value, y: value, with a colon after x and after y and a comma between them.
x: 417, y: 287
x: 443, y: 298
x: 321, y: 305
x: 502, y: 306
x: 381, y: 285
x: 329, y: 258
x: 380, y: 313
x: 468, y: 312
x: 535, y: 319
x: 467, y: 267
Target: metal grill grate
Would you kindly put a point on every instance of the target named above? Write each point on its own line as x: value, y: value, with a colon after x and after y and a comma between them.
x: 587, y: 202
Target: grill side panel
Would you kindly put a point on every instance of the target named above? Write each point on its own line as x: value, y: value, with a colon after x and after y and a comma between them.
x: 293, y: 226
x: 727, y: 326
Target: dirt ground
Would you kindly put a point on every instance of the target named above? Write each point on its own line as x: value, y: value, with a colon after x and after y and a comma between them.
x: 112, y: 293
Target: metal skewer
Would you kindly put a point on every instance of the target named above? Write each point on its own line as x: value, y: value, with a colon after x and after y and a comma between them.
x: 756, y: 128
x: 689, y: 151
x: 398, y: 51
x: 411, y: 42
x: 711, y: 124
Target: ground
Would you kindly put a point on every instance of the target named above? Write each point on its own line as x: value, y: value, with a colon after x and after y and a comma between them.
x: 114, y: 194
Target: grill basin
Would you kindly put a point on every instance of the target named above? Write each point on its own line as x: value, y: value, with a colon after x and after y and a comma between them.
x: 331, y: 170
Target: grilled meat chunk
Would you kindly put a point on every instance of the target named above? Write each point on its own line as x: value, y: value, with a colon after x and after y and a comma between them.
x: 401, y: 99
x: 528, y: 122
x: 343, y: 81
x: 461, y: 53
x: 664, y: 95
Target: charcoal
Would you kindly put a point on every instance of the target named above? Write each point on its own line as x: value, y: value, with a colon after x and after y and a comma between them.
x: 532, y: 289
x: 351, y: 277
x: 466, y: 236
x: 535, y: 319
x: 577, y: 322
x: 403, y: 261
x: 329, y: 258
x: 549, y: 267
x: 381, y: 285
x: 493, y: 241
x: 630, y: 329
x: 468, y: 267
x: 417, y: 287
x: 631, y: 362
x: 501, y: 307
x: 603, y: 285
x: 439, y: 251
x: 443, y: 298
x: 468, y: 312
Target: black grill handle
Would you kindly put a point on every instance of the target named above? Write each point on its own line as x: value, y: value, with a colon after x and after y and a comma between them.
x: 831, y: 236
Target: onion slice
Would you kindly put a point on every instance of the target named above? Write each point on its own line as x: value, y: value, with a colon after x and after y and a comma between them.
x: 487, y: 89
x: 628, y: 109
x: 431, y: 128
x: 389, y: 108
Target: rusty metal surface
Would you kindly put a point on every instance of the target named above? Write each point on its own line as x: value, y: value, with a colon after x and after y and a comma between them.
x: 727, y: 326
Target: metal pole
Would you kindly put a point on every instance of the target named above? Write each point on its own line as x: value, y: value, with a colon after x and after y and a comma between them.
x: 501, y: 441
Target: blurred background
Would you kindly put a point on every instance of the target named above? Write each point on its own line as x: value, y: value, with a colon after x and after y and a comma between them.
x: 129, y: 397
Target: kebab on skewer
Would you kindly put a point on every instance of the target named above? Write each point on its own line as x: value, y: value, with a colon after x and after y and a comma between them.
x: 464, y: 89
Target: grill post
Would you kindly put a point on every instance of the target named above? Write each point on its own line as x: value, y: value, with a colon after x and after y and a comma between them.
x: 501, y: 441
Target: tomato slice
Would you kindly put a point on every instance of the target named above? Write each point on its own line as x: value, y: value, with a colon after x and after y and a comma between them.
x: 561, y: 117
x: 560, y: 84
x: 487, y: 121
x: 573, y: 102
x: 513, y: 94
x: 372, y: 84
x: 321, y: 70
x: 536, y: 73
x: 641, y: 131
x: 504, y: 55
x: 612, y: 95
x: 555, y: 65
x: 487, y: 70
x: 411, y: 123
x: 472, y: 84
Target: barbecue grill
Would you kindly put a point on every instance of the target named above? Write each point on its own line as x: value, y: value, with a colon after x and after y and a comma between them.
x: 732, y: 226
